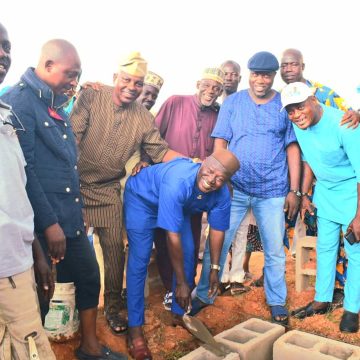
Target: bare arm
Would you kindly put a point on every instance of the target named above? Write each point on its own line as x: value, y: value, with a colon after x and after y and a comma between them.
x: 220, y: 143
x: 306, y: 183
x: 216, y: 239
x: 182, y: 291
x: 43, y: 276
x: 291, y: 205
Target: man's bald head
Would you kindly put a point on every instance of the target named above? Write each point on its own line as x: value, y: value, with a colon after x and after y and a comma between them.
x: 295, y: 53
x: 59, y: 65
x: 292, y: 66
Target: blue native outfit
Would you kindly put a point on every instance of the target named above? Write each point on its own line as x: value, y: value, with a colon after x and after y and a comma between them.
x: 332, y: 151
x: 165, y: 196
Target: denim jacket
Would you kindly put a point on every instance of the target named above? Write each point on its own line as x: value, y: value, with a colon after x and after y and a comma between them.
x: 49, y: 147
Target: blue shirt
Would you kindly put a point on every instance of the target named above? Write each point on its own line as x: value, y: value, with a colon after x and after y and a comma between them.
x: 162, y: 195
x: 50, y: 151
x: 332, y: 151
x: 258, y: 135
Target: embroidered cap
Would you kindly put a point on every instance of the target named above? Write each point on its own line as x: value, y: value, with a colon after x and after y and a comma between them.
x: 213, y: 73
x: 154, y: 80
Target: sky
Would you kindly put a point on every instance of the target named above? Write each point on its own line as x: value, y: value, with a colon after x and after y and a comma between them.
x: 181, y: 38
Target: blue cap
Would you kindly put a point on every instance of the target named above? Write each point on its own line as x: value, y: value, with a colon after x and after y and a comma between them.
x: 263, y: 61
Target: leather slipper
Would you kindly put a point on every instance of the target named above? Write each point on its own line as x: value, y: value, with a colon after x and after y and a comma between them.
x: 117, y: 324
x: 349, y: 322
x: 138, y: 348
x: 308, y: 310
x: 279, y: 311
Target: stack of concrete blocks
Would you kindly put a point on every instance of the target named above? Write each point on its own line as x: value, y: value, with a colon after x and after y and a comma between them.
x: 297, y: 345
x: 250, y: 340
x: 303, y: 248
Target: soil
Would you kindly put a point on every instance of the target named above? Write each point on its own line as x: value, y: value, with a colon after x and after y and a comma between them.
x: 169, y: 343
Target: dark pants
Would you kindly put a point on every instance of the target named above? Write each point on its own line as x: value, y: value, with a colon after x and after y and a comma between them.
x: 79, y: 266
x: 112, y: 246
x: 162, y: 254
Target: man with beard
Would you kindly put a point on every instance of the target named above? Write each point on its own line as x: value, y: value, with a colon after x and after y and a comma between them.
x: 186, y: 123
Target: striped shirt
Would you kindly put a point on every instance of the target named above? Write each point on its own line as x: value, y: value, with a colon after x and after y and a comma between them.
x: 107, y: 136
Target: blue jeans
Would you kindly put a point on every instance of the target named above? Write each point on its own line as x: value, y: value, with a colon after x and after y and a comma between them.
x: 269, y: 215
x: 327, y: 245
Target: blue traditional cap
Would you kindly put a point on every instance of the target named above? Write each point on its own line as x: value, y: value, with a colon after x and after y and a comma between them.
x: 263, y: 61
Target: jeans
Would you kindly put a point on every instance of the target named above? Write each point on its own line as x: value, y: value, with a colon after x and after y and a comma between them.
x: 269, y: 215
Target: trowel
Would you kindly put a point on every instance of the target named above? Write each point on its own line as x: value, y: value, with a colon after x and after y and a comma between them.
x: 199, y: 330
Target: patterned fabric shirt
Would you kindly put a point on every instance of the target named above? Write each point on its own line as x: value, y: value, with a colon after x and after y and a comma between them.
x: 258, y: 134
x: 187, y: 126
x: 108, y: 136
x: 327, y: 96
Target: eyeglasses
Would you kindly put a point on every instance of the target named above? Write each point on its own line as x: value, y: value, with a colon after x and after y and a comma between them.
x: 6, y: 112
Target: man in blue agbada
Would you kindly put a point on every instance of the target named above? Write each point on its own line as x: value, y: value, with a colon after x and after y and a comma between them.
x: 165, y: 196
x: 332, y: 152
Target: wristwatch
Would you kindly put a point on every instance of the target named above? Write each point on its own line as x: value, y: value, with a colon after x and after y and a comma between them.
x: 296, y: 192
x: 215, y: 267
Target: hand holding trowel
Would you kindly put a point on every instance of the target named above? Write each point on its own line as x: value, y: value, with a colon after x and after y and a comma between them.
x: 199, y: 330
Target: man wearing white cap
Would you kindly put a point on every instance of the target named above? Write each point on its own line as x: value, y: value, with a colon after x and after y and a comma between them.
x: 110, y: 126
x: 332, y: 152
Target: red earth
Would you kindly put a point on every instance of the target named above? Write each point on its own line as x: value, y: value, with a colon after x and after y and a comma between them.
x: 167, y: 342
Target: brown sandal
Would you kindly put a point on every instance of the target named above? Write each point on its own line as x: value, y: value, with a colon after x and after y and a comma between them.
x: 138, y: 348
x: 117, y: 324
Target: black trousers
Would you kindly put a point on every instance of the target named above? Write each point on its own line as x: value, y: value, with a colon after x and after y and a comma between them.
x: 79, y: 266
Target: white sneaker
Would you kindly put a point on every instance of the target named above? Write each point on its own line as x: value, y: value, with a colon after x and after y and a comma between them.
x: 168, y: 300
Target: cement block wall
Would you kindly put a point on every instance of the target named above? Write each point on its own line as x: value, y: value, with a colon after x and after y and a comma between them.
x: 298, y: 345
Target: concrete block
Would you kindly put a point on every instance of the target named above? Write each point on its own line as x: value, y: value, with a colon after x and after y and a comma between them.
x: 304, y: 246
x: 203, y: 354
x: 252, y: 339
x: 298, y: 345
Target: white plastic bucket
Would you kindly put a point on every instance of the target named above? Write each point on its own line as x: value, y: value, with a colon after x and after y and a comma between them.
x: 62, y: 320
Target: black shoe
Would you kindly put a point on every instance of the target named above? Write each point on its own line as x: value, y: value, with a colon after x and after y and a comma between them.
x: 106, y: 354
x: 308, y: 310
x: 349, y: 322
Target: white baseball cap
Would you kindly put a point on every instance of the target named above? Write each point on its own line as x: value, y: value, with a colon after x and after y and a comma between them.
x: 295, y: 93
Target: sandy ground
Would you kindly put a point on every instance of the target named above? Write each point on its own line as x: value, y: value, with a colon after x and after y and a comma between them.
x: 167, y: 342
